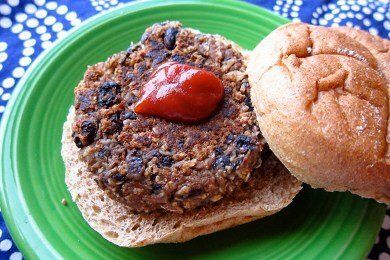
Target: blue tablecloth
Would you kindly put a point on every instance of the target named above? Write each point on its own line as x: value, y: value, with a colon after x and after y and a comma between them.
x: 27, y: 27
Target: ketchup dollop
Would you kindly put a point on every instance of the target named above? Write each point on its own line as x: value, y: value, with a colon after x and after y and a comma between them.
x: 180, y: 93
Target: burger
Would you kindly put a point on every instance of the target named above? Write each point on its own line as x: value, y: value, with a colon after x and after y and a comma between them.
x: 185, y: 133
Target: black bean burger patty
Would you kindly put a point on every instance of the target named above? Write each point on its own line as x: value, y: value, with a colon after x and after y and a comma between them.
x: 149, y: 163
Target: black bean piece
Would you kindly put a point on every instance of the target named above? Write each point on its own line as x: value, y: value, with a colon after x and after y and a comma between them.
x: 248, y: 102
x: 218, y: 151
x: 195, y: 192
x: 116, y: 124
x: 89, y: 130
x: 177, y: 58
x: 107, y: 94
x: 119, y: 177
x: 170, y: 38
x: 134, y: 152
x: 130, y: 76
x: 229, y: 111
x: 266, y: 152
x: 133, y: 47
x: 152, y: 177
x: 229, y: 138
x: 157, y: 55
x: 144, y: 140
x: 141, y: 68
x: 135, y: 165
x: 78, y: 142
x: 227, y: 58
x: 243, y: 141
x: 105, y: 183
x: 156, y: 45
x: 84, y: 100
x: 156, y: 188
x: 228, y: 91
x: 147, y: 74
x: 155, y: 153
x: 191, y: 63
x: 180, y: 144
x: 123, y: 61
x: 221, y: 162
x: 206, y: 128
x: 103, y: 153
x: 245, y: 84
x: 199, y: 65
x: 145, y: 36
x: 130, y: 115
x: 166, y: 161
x: 237, y: 163
x: 154, y: 54
x: 131, y: 100
x: 158, y: 60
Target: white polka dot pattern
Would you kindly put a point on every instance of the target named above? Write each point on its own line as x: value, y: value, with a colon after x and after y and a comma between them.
x: 288, y: 9
x: 359, y: 14
x: 16, y: 256
x: 5, y: 245
x: 32, y: 22
x: 103, y: 5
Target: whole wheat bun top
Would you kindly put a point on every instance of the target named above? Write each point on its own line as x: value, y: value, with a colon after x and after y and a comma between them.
x: 322, y: 101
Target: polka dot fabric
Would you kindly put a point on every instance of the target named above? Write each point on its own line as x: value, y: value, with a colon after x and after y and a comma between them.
x: 27, y: 27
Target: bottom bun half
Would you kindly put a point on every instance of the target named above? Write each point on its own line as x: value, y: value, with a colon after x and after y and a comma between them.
x: 115, y: 222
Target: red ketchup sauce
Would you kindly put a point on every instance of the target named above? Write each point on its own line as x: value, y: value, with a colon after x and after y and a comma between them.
x: 180, y: 93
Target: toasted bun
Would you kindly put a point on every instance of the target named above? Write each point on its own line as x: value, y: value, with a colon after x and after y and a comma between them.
x: 322, y: 100
x: 117, y: 224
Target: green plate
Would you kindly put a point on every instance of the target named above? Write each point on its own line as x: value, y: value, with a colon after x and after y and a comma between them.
x: 317, y: 225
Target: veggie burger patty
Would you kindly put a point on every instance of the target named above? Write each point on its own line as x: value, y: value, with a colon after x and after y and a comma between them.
x: 149, y: 163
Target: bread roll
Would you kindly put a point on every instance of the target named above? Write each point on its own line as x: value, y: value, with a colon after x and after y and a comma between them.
x: 115, y: 222
x: 321, y: 96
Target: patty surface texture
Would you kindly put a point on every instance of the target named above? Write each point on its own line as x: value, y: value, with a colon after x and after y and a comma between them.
x: 152, y: 164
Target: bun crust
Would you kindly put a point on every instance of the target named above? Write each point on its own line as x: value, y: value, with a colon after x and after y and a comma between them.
x: 115, y: 222
x: 321, y: 96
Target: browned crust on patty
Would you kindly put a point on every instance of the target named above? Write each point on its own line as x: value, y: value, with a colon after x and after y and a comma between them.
x: 151, y: 164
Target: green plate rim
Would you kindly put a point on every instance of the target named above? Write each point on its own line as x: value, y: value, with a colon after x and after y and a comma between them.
x: 89, y: 23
